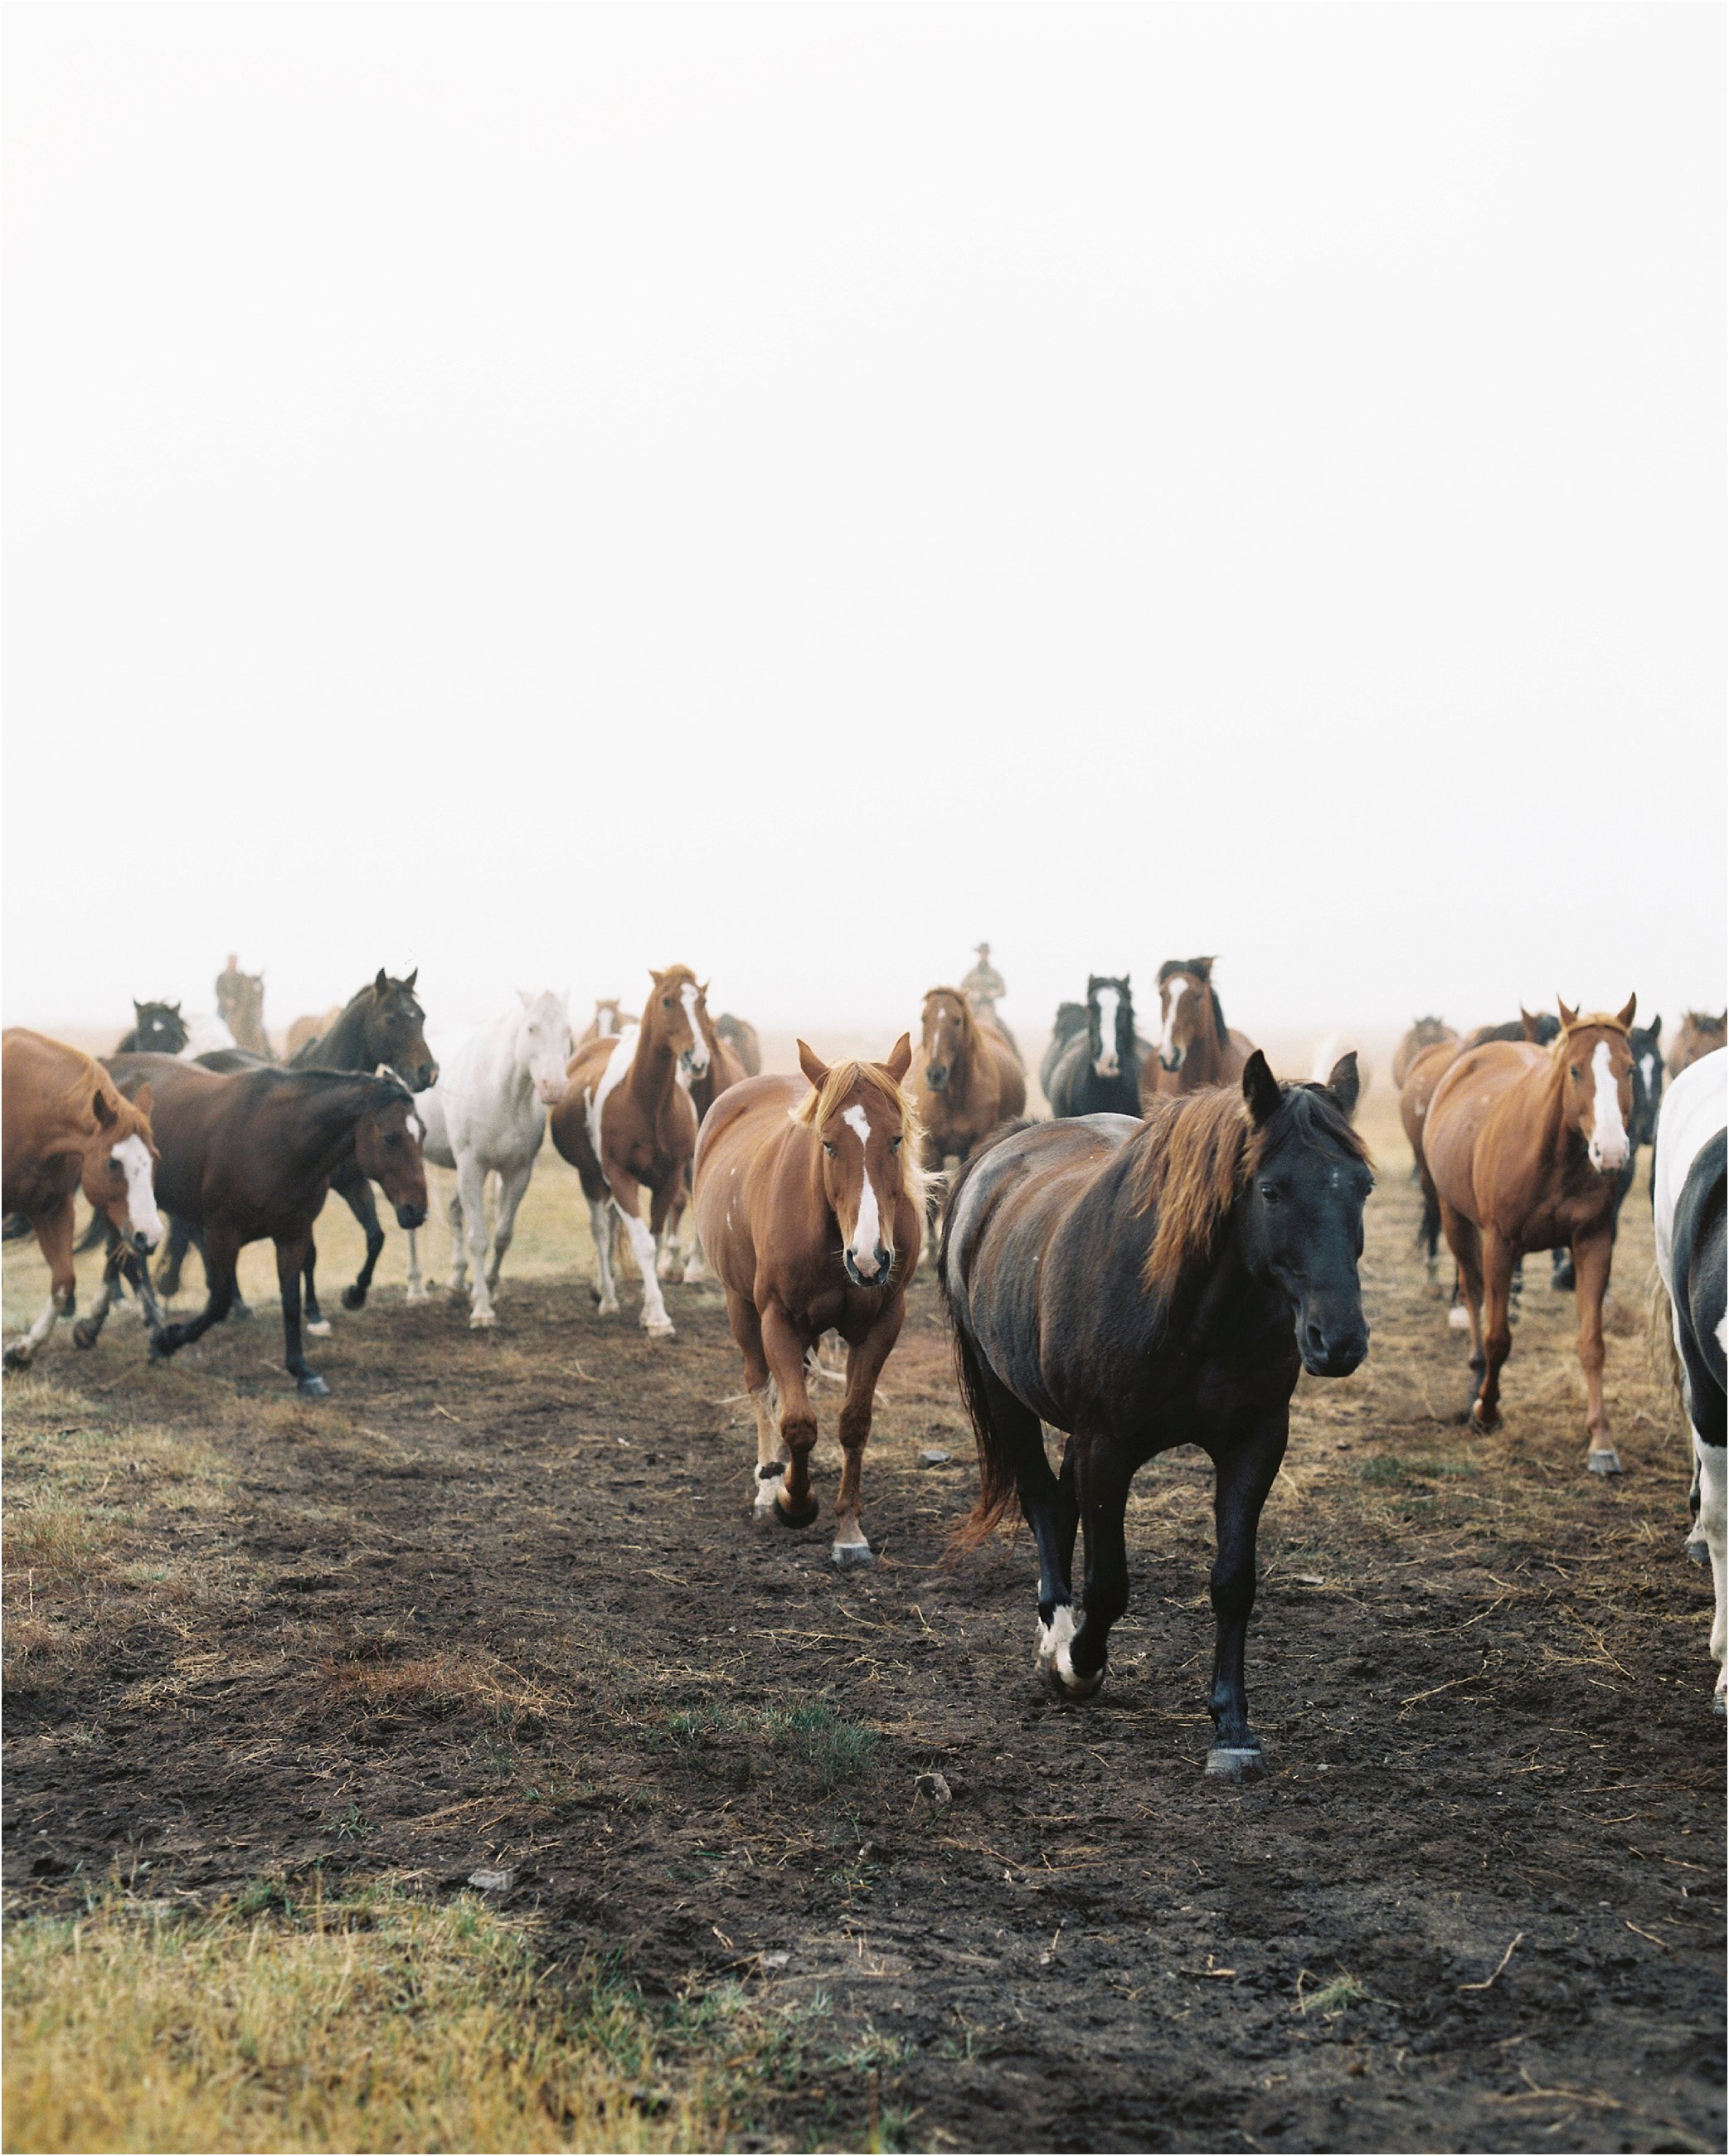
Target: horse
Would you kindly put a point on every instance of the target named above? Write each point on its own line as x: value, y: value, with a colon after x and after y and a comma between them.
x: 610, y: 1018
x: 1701, y: 1034
x: 1425, y: 1033
x: 1071, y: 1020
x: 1641, y: 1131
x: 1098, y: 1072
x: 1539, y: 1028
x: 487, y: 1116
x: 1422, y: 1075
x: 624, y: 1122
x: 1688, y: 1174
x: 1196, y: 1048
x: 156, y: 1029
x: 64, y: 1125
x: 252, y: 1153
x: 969, y: 1081
x: 305, y: 1030
x: 810, y: 1210
x: 1525, y: 1145
x: 1142, y: 1285
x: 740, y: 1037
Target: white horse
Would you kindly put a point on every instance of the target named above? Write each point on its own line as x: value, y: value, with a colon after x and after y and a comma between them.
x: 204, y: 1031
x: 487, y: 1116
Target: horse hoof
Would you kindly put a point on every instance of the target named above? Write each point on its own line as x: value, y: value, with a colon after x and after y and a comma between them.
x: 319, y: 1327
x: 1699, y: 1553
x: 1069, y: 1682
x: 479, y: 1320
x: 1485, y: 1422
x: 16, y: 1359
x: 1717, y: 1708
x: 852, y: 1557
x: 313, y: 1387
x: 415, y: 1292
x: 1604, y: 1459
x: 664, y: 1331
x: 160, y: 1346
x: 788, y: 1518
x: 84, y: 1334
x: 1236, y: 1762
x: 354, y: 1298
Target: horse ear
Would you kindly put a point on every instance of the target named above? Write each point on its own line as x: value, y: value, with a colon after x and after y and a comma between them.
x: 812, y: 1065
x: 1261, y: 1090
x: 137, y: 1006
x: 1568, y: 1018
x: 408, y: 983
x: 1343, y: 1083
x: 900, y: 1060
x: 1204, y: 967
x: 1656, y: 1029
x: 175, y: 1008
x: 382, y: 983
x: 144, y: 1100
x: 1528, y: 1023
x: 1627, y: 1010
x: 107, y: 1113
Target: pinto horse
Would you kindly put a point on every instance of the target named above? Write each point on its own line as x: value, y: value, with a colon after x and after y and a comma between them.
x: 251, y: 1153
x: 66, y: 1126
x: 1098, y: 1072
x: 969, y: 1081
x: 1524, y: 1147
x: 1700, y: 1034
x: 626, y: 1122
x: 1425, y: 1033
x: 809, y: 1209
x: 1144, y: 1285
x: 1196, y: 1048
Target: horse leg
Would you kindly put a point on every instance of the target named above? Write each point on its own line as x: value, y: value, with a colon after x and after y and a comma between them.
x: 863, y: 1368
x: 292, y: 1255
x: 1102, y: 1476
x: 53, y: 1238
x: 1466, y: 1244
x: 416, y: 1291
x: 1591, y: 1263
x: 771, y: 1453
x: 357, y: 1195
x: 471, y: 1191
x: 1496, y: 1335
x: 88, y: 1328
x: 1048, y: 1508
x: 1709, y: 1464
x: 134, y: 1271
x: 458, y: 1247
x: 627, y: 1197
x: 221, y: 1249
x: 695, y: 1264
x: 512, y: 1188
x: 603, y: 1224
x: 795, y: 1505
x: 1429, y: 1233
x: 316, y: 1322
x: 174, y: 1252
x: 665, y: 1207
x: 1241, y: 1480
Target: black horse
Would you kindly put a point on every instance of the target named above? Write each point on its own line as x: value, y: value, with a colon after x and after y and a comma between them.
x: 381, y: 1024
x: 1071, y: 1019
x: 1098, y: 1070
x: 156, y: 1029
x: 1143, y: 1285
x: 1641, y: 1131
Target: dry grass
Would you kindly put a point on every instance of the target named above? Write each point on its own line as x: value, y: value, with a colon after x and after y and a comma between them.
x: 377, y: 2022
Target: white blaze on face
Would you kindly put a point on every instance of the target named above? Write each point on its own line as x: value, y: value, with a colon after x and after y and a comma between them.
x: 1106, y: 1064
x: 1609, y: 1138
x: 415, y: 1128
x: 132, y: 1155
x: 1176, y: 988
x: 545, y: 1047
x: 698, y: 1050
x: 867, y: 1229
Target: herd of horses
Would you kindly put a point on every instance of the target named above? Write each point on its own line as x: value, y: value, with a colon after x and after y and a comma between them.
x: 1151, y: 1265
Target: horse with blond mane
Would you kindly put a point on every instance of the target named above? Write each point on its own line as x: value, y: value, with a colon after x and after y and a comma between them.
x: 1524, y: 1147
x: 1147, y: 1284
x: 809, y: 1206
x: 970, y: 1078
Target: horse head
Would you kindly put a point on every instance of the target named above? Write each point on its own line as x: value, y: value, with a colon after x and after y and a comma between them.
x: 158, y: 1029
x: 543, y: 1043
x: 948, y: 1026
x: 1110, y: 1023
x: 670, y: 1019
x: 118, y: 1167
x: 863, y: 1120
x: 395, y: 1032
x: 1646, y: 1042
x: 387, y: 1150
x: 1187, y: 1005
x: 1596, y: 1057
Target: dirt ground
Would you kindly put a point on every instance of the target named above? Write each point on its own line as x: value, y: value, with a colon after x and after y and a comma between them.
x: 499, y: 1603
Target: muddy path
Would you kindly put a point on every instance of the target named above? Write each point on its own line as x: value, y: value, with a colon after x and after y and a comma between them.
x: 498, y: 1602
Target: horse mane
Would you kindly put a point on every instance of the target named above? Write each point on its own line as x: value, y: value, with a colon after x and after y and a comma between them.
x: 388, y: 1079
x: 1201, y: 969
x: 1197, y: 1154
x: 822, y: 1102
x: 971, y: 1030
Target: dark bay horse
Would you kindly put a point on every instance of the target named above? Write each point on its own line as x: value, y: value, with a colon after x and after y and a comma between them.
x: 1196, y: 1048
x: 969, y: 1080
x: 625, y: 1123
x: 1524, y: 1147
x: 1425, y: 1033
x: 67, y: 1127
x: 1071, y: 1020
x: 253, y: 1153
x: 809, y: 1204
x: 156, y: 1029
x: 1098, y: 1072
x: 1144, y: 1285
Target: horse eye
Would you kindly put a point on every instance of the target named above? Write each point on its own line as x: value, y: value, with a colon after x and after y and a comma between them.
x: 827, y: 1147
x: 1572, y: 1070
x: 894, y: 1145
x: 1269, y: 1193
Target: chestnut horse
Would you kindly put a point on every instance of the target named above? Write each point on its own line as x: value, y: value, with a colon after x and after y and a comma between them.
x: 809, y: 1209
x: 1700, y: 1034
x: 1423, y: 1074
x: 970, y: 1079
x: 1196, y: 1048
x: 1425, y: 1033
x: 1524, y: 1147
x: 625, y: 1122
x: 66, y: 1126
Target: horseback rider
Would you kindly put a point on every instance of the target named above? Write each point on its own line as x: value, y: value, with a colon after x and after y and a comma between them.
x: 982, y: 987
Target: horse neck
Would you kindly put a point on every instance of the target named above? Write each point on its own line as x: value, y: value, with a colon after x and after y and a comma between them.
x: 1208, y: 1040
x: 332, y: 1114
x: 652, y: 1067
x: 343, y: 1047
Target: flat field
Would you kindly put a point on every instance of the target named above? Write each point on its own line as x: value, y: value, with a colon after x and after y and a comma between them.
x: 285, y: 1678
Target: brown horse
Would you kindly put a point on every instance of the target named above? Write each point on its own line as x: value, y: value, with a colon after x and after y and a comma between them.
x: 610, y: 1018
x: 306, y: 1030
x: 1425, y: 1032
x: 625, y: 1122
x: 970, y: 1079
x: 66, y: 1126
x: 1525, y: 1145
x: 809, y: 1209
x: 1196, y: 1048
x: 252, y: 1153
x: 1700, y: 1034
x: 1424, y: 1073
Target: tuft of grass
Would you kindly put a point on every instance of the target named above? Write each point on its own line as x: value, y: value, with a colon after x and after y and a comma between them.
x: 371, y: 2021
x: 812, y: 1746
x: 1333, y: 1999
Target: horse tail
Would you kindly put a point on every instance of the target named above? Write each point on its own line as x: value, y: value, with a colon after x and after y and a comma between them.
x: 14, y: 1226
x: 1663, y: 1358
x: 1429, y: 1229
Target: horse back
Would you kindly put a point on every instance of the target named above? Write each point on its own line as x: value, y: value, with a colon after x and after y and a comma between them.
x: 1700, y: 1287
x: 742, y: 1142
x: 1486, y: 1136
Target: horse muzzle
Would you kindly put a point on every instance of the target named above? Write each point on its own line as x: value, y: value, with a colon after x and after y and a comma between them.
x: 1332, y: 1351
x: 884, y: 1261
x: 1170, y: 1059
x: 1104, y: 1066
x: 550, y: 1091
x: 936, y: 1076
x: 1608, y: 1159
x: 426, y: 1075
x: 411, y: 1216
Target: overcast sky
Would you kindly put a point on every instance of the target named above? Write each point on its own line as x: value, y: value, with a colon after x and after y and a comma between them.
x: 538, y: 493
